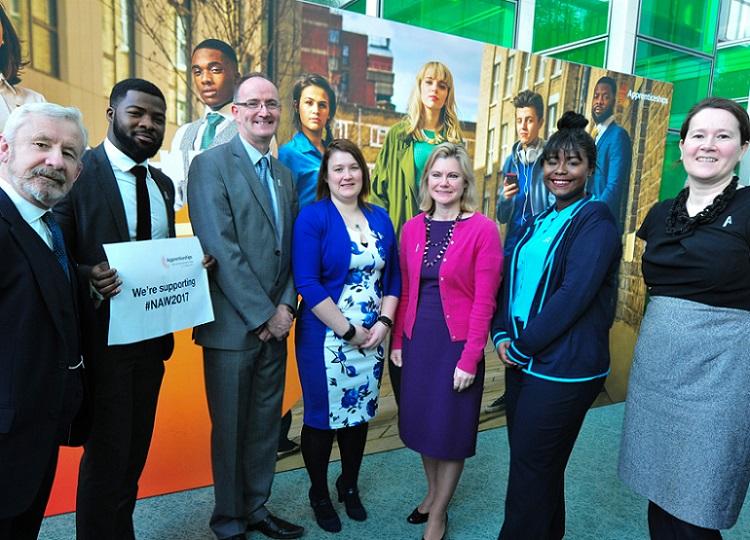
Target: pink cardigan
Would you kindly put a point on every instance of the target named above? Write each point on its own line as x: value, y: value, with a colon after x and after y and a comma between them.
x: 469, y: 279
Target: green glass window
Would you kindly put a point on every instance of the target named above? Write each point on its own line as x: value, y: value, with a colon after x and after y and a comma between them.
x: 690, y: 23
x: 491, y: 21
x: 591, y: 55
x: 689, y: 74
x: 358, y: 6
x: 672, y: 175
x: 558, y: 22
x: 732, y: 72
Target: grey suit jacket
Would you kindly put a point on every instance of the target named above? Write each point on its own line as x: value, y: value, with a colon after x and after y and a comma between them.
x: 231, y: 215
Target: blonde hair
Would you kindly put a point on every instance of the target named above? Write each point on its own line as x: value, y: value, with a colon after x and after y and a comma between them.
x: 448, y: 116
x: 459, y: 153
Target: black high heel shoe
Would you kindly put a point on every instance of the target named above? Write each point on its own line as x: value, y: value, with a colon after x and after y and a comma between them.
x: 325, y: 514
x: 417, y: 517
x: 350, y: 498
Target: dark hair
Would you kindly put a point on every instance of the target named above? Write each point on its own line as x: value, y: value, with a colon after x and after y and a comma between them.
x: 732, y: 107
x: 527, y: 98
x: 343, y: 145
x: 139, y: 85
x: 218, y: 45
x: 11, y: 63
x: 313, y: 79
x: 609, y: 81
x: 571, y: 137
x: 241, y: 80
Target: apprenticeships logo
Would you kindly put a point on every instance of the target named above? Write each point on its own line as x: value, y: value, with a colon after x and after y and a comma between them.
x: 180, y: 261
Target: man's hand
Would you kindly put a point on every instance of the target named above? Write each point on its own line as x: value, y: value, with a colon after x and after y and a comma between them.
x: 510, y: 190
x: 280, y: 323
x: 208, y: 261
x: 104, y: 279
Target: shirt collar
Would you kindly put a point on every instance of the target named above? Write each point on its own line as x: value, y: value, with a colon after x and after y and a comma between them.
x: 119, y: 160
x: 608, y: 121
x: 29, y: 212
x: 225, y: 111
x: 253, y: 153
x: 304, y: 144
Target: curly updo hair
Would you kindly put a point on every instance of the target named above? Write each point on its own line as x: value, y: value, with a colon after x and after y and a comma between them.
x: 571, y: 137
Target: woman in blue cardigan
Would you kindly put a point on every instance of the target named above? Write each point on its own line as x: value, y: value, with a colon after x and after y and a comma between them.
x: 345, y: 263
x: 551, y: 330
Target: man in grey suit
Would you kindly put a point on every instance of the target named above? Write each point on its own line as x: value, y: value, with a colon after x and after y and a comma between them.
x: 215, y: 73
x: 242, y: 205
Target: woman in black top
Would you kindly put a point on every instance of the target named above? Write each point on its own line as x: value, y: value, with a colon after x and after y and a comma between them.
x: 685, y: 443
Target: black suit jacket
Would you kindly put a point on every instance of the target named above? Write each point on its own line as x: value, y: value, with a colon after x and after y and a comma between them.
x: 91, y: 215
x: 39, y: 340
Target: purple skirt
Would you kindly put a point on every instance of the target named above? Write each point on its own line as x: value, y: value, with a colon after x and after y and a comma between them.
x: 434, y: 419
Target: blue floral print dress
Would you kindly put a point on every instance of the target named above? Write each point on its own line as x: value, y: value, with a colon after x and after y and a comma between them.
x: 354, y: 374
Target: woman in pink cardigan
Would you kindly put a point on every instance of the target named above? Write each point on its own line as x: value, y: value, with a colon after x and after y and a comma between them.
x: 451, y: 261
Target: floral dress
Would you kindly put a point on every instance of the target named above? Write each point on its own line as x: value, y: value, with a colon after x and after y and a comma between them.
x: 354, y: 374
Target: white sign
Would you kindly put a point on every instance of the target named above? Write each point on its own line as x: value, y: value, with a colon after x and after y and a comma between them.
x: 164, y: 288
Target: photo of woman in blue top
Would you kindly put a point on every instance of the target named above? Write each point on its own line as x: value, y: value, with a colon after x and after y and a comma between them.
x: 346, y: 268
x: 551, y: 330
x: 314, y: 108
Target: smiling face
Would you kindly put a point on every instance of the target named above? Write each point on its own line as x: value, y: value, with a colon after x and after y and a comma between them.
x: 446, y: 183
x: 314, y: 110
x: 257, y: 125
x: 433, y: 92
x: 344, y: 177
x: 214, y: 76
x: 43, y: 160
x: 136, y: 124
x: 565, y: 177
x: 712, y: 146
x: 528, y: 125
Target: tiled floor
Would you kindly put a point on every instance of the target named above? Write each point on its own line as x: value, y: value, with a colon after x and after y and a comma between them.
x: 383, y: 432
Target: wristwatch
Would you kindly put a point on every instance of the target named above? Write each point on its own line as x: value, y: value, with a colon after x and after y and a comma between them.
x: 386, y: 321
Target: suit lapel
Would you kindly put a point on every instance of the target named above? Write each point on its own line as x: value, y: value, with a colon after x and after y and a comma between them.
x: 50, y: 278
x: 111, y: 191
x: 247, y: 169
x: 163, y: 182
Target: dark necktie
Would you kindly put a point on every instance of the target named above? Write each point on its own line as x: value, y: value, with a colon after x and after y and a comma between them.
x: 142, y: 203
x: 58, y: 244
x: 212, y: 121
x: 264, y: 174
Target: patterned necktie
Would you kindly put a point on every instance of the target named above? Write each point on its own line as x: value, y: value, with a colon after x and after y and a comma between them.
x: 595, y: 132
x: 264, y: 174
x: 212, y: 121
x: 58, y: 244
x: 142, y: 204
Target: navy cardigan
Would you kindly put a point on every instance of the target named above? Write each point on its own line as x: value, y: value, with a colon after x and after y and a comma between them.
x: 321, y: 253
x: 567, y: 335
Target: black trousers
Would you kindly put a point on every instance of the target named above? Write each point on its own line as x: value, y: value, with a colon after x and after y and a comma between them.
x: 544, y: 419
x: 664, y: 526
x: 125, y: 396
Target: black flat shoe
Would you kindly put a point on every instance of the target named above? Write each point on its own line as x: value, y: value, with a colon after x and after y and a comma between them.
x: 417, y: 517
x: 325, y: 514
x: 350, y: 498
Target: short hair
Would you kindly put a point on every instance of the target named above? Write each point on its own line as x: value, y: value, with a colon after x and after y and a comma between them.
x: 252, y: 75
x: 527, y: 98
x: 11, y: 63
x: 609, y: 81
x: 20, y: 115
x: 218, y: 45
x: 120, y: 90
x: 343, y: 145
x: 459, y: 153
x: 313, y: 79
x: 571, y: 137
x: 732, y: 107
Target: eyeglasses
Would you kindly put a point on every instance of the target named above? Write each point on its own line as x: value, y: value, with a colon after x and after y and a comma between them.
x: 256, y: 104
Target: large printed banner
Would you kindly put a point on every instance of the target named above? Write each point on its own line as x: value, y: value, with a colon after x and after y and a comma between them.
x: 164, y: 289
x: 502, y: 104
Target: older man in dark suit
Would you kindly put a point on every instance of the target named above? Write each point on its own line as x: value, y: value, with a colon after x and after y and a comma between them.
x: 242, y: 205
x: 118, y: 198
x: 40, y: 361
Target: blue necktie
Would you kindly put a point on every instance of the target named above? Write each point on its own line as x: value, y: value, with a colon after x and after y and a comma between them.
x: 212, y: 120
x: 58, y: 244
x: 265, y: 178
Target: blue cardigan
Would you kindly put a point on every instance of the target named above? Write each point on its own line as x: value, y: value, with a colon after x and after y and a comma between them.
x: 567, y: 335
x: 321, y: 254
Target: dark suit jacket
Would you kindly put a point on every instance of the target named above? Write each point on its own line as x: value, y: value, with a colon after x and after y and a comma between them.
x: 39, y: 339
x: 232, y: 216
x: 93, y: 214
